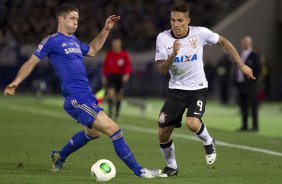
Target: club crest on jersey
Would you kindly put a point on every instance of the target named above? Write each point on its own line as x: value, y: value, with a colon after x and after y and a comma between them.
x: 193, y: 43
x: 162, y: 117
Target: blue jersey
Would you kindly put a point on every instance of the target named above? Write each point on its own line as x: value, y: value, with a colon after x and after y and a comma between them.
x: 66, y: 56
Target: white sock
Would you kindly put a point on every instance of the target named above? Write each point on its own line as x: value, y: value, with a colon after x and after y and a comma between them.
x: 204, y: 135
x: 167, y: 150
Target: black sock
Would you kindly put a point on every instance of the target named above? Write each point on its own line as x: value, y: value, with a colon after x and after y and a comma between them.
x: 118, y: 104
x: 110, y: 103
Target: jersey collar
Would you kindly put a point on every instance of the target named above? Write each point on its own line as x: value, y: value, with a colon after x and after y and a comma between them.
x: 172, y: 34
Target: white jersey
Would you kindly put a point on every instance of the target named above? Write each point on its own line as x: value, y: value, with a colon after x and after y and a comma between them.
x: 187, y: 71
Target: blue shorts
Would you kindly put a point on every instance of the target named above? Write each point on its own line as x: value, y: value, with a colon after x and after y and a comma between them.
x: 83, y: 109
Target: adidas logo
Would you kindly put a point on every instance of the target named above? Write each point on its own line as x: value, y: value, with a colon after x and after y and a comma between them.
x: 64, y: 44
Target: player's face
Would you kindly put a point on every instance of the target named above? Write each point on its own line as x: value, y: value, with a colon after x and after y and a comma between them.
x: 179, y: 23
x: 70, y: 22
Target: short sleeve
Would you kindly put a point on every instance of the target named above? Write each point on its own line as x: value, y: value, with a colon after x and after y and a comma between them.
x: 84, y: 48
x: 161, y: 52
x: 43, y: 48
x: 208, y: 36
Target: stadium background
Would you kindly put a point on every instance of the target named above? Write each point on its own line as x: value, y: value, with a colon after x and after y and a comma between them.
x: 25, y: 23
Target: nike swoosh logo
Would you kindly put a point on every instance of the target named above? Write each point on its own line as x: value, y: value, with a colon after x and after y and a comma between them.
x: 196, y: 113
x: 210, y: 161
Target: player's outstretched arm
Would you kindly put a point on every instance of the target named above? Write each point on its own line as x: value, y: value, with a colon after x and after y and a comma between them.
x: 164, y: 66
x: 98, y: 42
x: 24, y: 71
x: 235, y: 56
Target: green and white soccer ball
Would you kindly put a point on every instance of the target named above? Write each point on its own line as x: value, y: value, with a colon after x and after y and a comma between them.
x: 103, y: 170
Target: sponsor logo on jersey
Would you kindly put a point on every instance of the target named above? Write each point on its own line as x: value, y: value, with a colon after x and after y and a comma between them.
x: 73, y: 50
x: 186, y: 58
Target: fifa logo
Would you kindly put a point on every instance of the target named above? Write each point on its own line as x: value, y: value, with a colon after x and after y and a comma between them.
x: 185, y: 58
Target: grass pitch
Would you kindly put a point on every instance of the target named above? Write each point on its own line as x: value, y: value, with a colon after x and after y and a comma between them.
x: 30, y: 128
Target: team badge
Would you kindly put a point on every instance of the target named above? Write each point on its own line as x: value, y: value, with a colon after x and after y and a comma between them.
x: 193, y: 43
x: 162, y: 117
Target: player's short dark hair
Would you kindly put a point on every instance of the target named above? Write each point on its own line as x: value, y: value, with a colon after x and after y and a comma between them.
x: 181, y: 7
x: 64, y: 9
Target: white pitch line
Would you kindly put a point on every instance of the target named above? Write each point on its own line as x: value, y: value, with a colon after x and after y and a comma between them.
x: 138, y: 129
x: 188, y: 137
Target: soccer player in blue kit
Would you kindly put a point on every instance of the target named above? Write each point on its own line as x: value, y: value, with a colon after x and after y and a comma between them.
x: 66, y: 53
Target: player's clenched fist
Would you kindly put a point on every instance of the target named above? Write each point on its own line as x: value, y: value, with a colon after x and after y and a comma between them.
x: 176, y: 46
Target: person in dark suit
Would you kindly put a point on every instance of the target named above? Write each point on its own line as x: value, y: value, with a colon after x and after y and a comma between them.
x: 248, y: 89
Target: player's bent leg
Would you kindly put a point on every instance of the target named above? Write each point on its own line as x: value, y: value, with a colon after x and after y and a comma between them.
x: 92, y: 132
x: 193, y: 123
x: 107, y: 126
x: 200, y: 130
x: 165, y: 133
x: 104, y: 124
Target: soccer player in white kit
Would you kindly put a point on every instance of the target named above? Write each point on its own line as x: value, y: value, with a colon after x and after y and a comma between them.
x: 179, y: 51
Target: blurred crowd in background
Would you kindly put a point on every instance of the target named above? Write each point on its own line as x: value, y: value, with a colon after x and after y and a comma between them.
x: 141, y: 20
x: 25, y: 23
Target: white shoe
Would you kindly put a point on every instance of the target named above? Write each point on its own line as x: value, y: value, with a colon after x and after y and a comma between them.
x: 210, y: 158
x: 210, y: 153
x: 150, y: 173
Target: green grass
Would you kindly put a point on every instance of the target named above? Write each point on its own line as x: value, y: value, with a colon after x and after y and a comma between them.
x: 30, y: 128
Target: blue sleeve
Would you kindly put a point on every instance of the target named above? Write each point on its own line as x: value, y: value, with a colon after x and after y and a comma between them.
x: 84, y: 48
x: 43, y: 48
